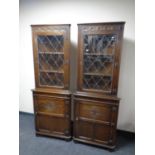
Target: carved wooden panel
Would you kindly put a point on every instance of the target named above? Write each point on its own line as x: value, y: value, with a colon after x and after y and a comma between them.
x: 101, y: 27
x: 82, y: 129
x: 98, y: 116
x: 102, y: 133
x: 53, y: 125
x: 49, y: 28
x: 52, y: 113
x: 93, y: 111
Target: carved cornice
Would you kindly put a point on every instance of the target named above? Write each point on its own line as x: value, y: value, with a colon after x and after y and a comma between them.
x: 100, y: 28
x: 57, y: 29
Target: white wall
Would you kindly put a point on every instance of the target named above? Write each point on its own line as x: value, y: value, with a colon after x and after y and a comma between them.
x: 73, y: 12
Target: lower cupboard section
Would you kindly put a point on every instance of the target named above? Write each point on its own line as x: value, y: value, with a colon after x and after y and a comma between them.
x: 94, y: 133
x: 52, y: 114
x: 95, y: 121
x: 52, y: 125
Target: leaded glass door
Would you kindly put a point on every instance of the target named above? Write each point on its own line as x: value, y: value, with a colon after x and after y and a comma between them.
x: 52, y: 58
x: 99, y: 58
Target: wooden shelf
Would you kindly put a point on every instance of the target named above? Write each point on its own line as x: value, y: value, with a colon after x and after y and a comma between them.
x: 110, y: 55
x: 51, y: 53
x: 97, y: 74
x: 52, y: 71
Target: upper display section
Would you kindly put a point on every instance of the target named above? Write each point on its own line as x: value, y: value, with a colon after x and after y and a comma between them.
x: 51, y: 55
x: 99, y: 51
x: 51, y: 60
x: 99, y: 56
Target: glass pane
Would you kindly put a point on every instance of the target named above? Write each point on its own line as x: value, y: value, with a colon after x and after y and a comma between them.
x: 99, y: 44
x: 97, y: 82
x: 50, y: 43
x: 98, y: 61
x: 51, y: 60
x: 51, y: 79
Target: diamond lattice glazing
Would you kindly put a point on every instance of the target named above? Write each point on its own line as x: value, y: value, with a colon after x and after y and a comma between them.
x: 51, y: 60
x: 98, y: 61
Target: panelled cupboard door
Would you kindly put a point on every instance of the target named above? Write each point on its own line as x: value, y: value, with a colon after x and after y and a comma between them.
x: 51, y: 47
x: 94, y: 132
x: 99, y: 48
x: 52, y: 115
x: 52, y: 125
x: 83, y: 130
x: 51, y: 106
x: 95, y: 121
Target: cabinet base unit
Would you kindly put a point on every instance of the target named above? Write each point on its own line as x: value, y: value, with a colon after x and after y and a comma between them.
x: 95, y: 119
x: 52, y: 111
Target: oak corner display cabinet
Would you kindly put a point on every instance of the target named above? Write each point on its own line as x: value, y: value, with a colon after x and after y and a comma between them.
x: 95, y: 101
x: 51, y: 46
